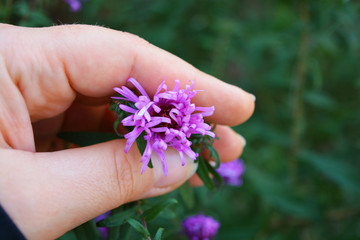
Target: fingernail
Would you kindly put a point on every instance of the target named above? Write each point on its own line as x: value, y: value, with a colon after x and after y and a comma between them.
x: 253, y: 96
x: 177, y: 174
x: 243, y: 140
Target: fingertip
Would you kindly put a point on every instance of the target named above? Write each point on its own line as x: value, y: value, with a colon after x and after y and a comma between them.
x: 229, y: 144
x: 233, y: 105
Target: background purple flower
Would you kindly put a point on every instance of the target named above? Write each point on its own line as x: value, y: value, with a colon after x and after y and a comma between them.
x: 75, y: 5
x: 103, y: 230
x: 200, y: 227
x: 168, y: 119
x: 232, y: 171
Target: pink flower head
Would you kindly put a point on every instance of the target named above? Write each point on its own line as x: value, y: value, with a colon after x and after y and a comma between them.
x: 168, y: 119
x: 200, y: 227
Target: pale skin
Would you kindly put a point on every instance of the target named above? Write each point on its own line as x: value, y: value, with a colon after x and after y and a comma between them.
x: 60, y: 78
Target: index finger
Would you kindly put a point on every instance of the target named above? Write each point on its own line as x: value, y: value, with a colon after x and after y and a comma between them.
x: 92, y: 60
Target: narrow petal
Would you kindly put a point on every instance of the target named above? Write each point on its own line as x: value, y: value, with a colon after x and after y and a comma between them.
x: 144, y: 111
x: 156, y: 108
x: 127, y: 108
x: 131, y: 138
x: 128, y: 121
x: 153, y: 123
x: 182, y: 157
x: 177, y: 86
x: 163, y: 161
x: 138, y: 86
x: 146, y: 157
x: 127, y: 93
x: 161, y: 86
x: 160, y: 129
x: 206, y: 111
x: 211, y: 134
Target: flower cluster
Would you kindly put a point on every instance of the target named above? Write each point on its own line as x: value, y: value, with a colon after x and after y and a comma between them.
x: 232, y: 171
x: 167, y: 120
x: 75, y: 5
x: 200, y: 227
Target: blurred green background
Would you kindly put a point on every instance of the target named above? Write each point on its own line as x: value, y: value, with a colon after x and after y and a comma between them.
x: 300, y: 59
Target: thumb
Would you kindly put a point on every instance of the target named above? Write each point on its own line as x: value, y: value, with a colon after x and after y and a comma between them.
x: 47, y: 194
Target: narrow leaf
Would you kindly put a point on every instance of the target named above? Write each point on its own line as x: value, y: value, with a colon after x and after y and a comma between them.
x: 274, y: 191
x: 68, y: 236
x: 116, y: 124
x: 186, y: 192
x: 84, y: 139
x: 138, y: 227
x: 203, y: 173
x: 337, y: 170
x: 158, y: 234
x: 151, y: 213
x: 87, y: 231
x: 118, y: 218
x: 214, y: 173
x: 214, y: 154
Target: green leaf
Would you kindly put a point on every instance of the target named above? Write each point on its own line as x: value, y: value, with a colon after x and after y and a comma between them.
x: 87, y: 231
x: 84, y: 139
x: 116, y: 124
x: 141, y: 144
x: 275, y: 192
x: 203, y: 173
x: 158, y: 234
x: 337, y: 170
x: 214, y: 154
x: 68, y: 236
x: 214, y: 173
x: 114, y: 232
x: 186, y: 192
x: 151, y: 213
x: 122, y: 232
x: 138, y: 227
x: 118, y: 218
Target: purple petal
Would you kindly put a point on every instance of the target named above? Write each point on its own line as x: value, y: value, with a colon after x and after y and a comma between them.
x: 127, y: 108
x: 146, y: 157
x: 163, y: 161
x: 138, y: 86
x: 127, y: 93
x: 131, y: 137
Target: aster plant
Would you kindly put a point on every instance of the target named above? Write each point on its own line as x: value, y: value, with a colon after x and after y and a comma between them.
x: 75, y: 5
x: 168, y: 119
x: 200, y: 227
x: 231, y: 172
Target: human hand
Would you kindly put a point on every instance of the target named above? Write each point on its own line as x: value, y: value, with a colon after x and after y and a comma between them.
x: 60, y: 78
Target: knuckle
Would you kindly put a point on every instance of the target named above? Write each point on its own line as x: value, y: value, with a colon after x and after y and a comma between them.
x: 124, y: 175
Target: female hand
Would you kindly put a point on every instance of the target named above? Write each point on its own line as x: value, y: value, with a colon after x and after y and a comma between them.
x: 60, y: 78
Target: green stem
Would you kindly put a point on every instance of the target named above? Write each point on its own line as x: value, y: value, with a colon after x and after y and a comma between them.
x: 298, y: 93
x: 143, y: 222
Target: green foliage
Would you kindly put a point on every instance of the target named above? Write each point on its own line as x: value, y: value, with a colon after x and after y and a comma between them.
x: 139, y: 227
x: 152, y: 212
x: 158, y: 234
x: 301, y: 60
x: 118, y: 218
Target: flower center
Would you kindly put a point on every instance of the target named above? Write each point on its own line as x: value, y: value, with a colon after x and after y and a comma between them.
x: 165, y: 112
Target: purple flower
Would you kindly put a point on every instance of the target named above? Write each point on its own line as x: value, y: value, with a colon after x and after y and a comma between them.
x: 200, y: 227
x: 103, y: 230
x: 232, y: 171
x: 75, y: 5
x: 167, y: 120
